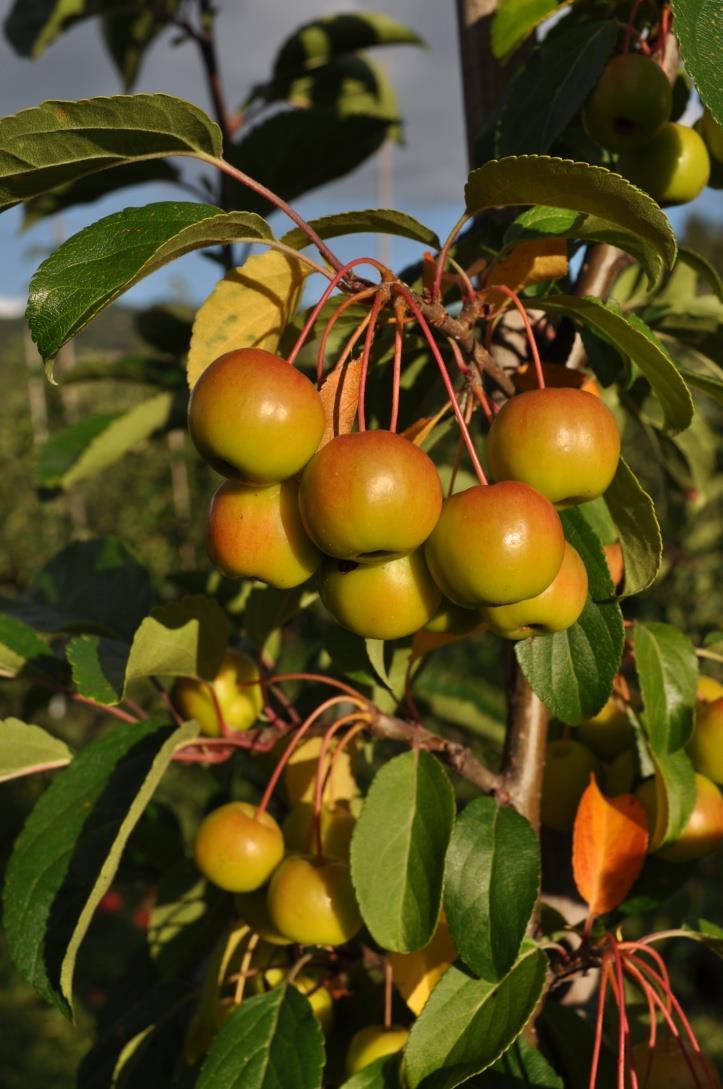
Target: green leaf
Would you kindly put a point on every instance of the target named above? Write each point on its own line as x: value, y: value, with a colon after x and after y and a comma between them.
x: 699, y: 30
x: 319, y: 41
x: 186, y: 919
x: 572, y: 671
x: 578, y: 187
x: 269, y: 1041
x: 631, y: 336
x: 268, y: 608
x: 667, y: 669
x: 368, y: 221
x: 521, y: 1067
x: 678, y: 780
x: 543, y: 221
x: 95, y: 186
x: 95, y: 583
x: 551, y: 87
x: 585, y: 541
x: 491, y: 885
x: 186, y: 638
x: 597, y: 516
x: 633, y: 512
x: 514, y: 20
x: 298, y: 150
x: 25, y: 748
x: 398, y: 849
x: 96, y: 265
x: 98, y: 666
x: 703, y: 268
x: 706, y: 383
x: 68, y: 852
x: 128, y: 34
x: 32, y: 25
x: 383, y: 1073
x: 468, y: 1023
x: 20, y: 645
x: 91, y: 445
x: 57, y: 142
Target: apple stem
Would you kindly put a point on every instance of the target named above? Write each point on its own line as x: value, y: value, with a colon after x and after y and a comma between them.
x: 333, y: 283
x: 604, y: 974
x: 294, y: 744
x: 474, y: 380
x: 322, y: 778
x: 515, y: 298
x: 388, y: 993
x: 466, y: 285
x: 366, y: 355
x: 630, y: 27
x: 397, y: 361
x: 624, y: 1047
x: 444, y: 254
x: 315, y: 678
x: 429, y: 336
x: 361, y: 726
x: 349, y: 301
x: 244, y: 969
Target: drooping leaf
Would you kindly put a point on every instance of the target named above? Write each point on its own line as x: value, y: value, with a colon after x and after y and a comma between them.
x: 269, y: 1041
x: 668, y: 673
x: 249, y: 308
x: 577, y: 187
x: 398, y: 849
x: 633, y: 338
x: 67, y: 854
x: 514, y: 20
x: 572, y: 671
x: 633, y: 513
x: 268, y: 608
x: 88, y: 447
x: 583, y: 538
x: 25, y: 748
x: 93, y: 187
x: 340, y: 397
x: 186, y: 638
x: 610, y: 841
x: 32, y: 25
x: 707, y: 383
x: 20, y: 646
x: 699, y: 29
x: 102, y: 261
x: 491, y: 885
x: 468, y: 1023
x: 57, y: 142
x: 552, y: 85
x: 368, y: 221
x: 98, y: 666
x: 127, y: 34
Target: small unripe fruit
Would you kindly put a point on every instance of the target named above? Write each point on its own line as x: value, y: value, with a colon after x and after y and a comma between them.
x: 238, y: 848
x: 568, y: 766
x: 705, y: 747
x: 555, y: 609
x: 673, y: 168
x: 257, y: 533
x: 619, y: 775
x: 712, y: 134
x: 369, y: 496
x: 239, y: 700
x: 666, y: 1066
x: 563, y: 442
x: 629, y: 103
x: 495, y: 544
x: 313, y: 902
x: 451, y: 619
x: 254, y: 417
x: 702, y: 833
x: 608, y: 732
x: 371, y: 1043
x: 381, y: 600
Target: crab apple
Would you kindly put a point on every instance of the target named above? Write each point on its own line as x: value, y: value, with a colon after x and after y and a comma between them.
x: 568, y: 766
x: 237, y: 847
x: 702, y: 833
x: 609, y: 731
x: 563, y: 442
x: 712, y: 134
x: 254, y: 417
x: 337, y: 825
x: 556, y: 608
x: 254, y: 911
x: 257, y: 533
x: 371, y: 1043
x: 705, y: 747
x: 380, y: 600
x: 666, y: 1067
x: 673, y: 168
x: 369, y: 495
x: 312, y: 901
x: 495, y: 544
x: 708, y: 688
x: 629, y: 103
x: 237, y: 691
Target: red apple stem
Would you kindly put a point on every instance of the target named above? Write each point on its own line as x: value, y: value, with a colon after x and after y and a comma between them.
x: 474, y: 383
x: 348, y: 737
x: 642, y: 947
x: 347, y: 302
x: 630, y: 27
x: 224, y: 727
x: 465, y: 284
x: 315, y: 678
x: 388, y: 993
x: 366, y: 356
x: 444, y: 254
x: 624, y: 1048
x: 429, y: 336
x: 321, y: 779
x: 604, y: 974
x: 334, y: 282
x: 397, y: 362
x: 294, y: 744
x: 650, y: 997
x: 515, y: 298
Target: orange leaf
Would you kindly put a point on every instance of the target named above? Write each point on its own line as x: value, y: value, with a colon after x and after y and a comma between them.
x: 531, y: 263
x: 340, y: 397
x: 421, y: 429
x: 610, y: 841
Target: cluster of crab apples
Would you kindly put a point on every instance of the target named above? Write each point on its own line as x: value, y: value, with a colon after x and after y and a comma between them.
x: 364, y: 512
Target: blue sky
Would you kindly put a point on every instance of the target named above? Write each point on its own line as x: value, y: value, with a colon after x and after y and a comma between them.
x: 427, y: 174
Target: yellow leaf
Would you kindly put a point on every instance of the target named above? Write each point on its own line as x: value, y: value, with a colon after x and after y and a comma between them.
x: 249, y: 308
x: 415, y: 974
x: 421, y: 429
x: 531, y: 263
x: 340, y: 397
